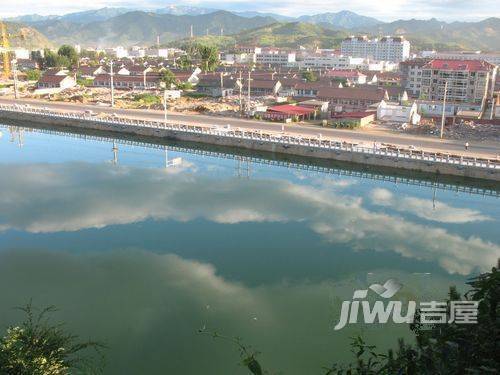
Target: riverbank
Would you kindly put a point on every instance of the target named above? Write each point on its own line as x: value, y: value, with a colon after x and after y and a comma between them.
x: 258, y: 140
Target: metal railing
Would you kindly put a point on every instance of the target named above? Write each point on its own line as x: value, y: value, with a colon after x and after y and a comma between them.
x: 286, y: 140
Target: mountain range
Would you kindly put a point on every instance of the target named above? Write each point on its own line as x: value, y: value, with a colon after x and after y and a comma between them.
x: 126, y: 26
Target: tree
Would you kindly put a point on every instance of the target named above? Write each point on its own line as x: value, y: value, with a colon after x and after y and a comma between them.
x: 185, y: 62
x: 36, y: 347
x: 167, y: 77
x: 209, y: 56
x: 50, y: 59
x: 33, y: 75
x: 69, y: 53
x: 309, y: 76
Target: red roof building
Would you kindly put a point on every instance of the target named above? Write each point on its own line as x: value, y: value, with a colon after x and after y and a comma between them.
x: 465, y: 80
x: 286, y: 111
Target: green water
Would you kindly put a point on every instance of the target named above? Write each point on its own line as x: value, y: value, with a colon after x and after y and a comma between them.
x: 143, y: 252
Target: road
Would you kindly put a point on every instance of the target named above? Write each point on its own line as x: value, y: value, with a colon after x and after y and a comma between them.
x: 483, y: 149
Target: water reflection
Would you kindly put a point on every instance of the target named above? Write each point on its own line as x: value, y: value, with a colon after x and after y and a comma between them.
x: 142, y: 257
x: 148, y: 306
x: 74, y: 196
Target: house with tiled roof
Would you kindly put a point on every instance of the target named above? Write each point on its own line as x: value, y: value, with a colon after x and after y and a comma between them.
x: 54, y: 81
x: 348, y: 99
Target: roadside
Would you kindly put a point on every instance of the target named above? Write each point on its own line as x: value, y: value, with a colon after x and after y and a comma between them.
x: 363, y: 137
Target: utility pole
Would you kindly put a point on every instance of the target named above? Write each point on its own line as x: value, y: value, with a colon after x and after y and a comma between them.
x: 165, y: 107
x: 221, y: 85
x: 241, y: 87
x: 444, y: 110
x: 14, y: 73
x: 249, y: 79
x: 112, y: 84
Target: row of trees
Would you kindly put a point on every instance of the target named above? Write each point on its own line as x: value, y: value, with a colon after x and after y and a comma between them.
x: 66, y: 56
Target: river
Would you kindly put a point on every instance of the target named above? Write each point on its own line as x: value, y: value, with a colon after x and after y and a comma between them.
x: 140, y: 247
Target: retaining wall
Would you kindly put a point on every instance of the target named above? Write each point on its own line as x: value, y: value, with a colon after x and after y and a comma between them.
x: 353, y: 156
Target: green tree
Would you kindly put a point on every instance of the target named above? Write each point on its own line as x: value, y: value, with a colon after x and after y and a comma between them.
x: 185, y: 62
x: 309, y: 76
x: 209, y: 56
x: 68, y: 52
x: 50, y: 59
x: 167, y: 77
x: 37, y: 347
x: 33, y: 75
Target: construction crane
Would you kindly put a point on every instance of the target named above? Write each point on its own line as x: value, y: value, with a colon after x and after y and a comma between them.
x: 5, y: 47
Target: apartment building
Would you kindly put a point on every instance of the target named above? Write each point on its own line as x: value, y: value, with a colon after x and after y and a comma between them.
x: 411, y: 75
x: 467, y: 80
x: 388, y: 48
x: 275, y: 57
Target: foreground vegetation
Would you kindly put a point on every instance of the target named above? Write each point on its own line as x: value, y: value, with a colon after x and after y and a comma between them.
x: 37, y: 347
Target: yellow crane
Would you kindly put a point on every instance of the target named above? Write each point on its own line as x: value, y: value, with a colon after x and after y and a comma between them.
x: 6, y: 48
x: 5, y: 44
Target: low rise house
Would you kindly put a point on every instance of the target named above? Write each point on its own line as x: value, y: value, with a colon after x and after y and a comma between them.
x: 396, y: 112
x: 261, y: 87
x: 49, y: 81
x: 289, y: 111
x: 91, y: 71
x: 349, y: 99
x: 353, y: 119
x: 216, y: 86
x: 27, y: 64
x: 128, y: 82
x: 353, y: 76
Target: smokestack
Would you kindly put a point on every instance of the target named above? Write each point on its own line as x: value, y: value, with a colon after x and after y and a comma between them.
x: 192, y: 32
x: 158, y: 41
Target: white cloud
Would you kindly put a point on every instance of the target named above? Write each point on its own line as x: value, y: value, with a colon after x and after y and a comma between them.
x: 426, y: 208
x: 74, y: 196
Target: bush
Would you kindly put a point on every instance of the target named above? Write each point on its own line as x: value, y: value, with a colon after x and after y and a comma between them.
x: 36, y: 347
x: 147, y: 99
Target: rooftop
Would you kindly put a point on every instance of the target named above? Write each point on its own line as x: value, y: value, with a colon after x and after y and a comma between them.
x: 469, y: 65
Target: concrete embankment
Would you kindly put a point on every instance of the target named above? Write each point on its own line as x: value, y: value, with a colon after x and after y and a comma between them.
x: 438, y: 165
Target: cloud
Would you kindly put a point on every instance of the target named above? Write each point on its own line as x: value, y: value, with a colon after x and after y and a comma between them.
x: 426, y: 208
x: 148, y: 307
x: 42, y: 198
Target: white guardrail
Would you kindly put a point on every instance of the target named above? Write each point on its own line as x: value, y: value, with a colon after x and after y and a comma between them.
x: 264, y: 136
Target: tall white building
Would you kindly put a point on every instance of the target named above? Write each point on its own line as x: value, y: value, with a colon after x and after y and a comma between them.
x: 388, y: 48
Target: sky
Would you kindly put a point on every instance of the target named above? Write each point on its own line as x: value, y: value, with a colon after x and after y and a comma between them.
x: 385, y: 10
